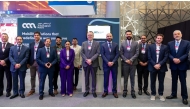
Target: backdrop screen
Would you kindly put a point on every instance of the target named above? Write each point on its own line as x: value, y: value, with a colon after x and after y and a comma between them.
x: 99, y: 31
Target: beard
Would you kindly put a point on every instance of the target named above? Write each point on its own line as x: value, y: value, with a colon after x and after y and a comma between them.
x: 129, y: 37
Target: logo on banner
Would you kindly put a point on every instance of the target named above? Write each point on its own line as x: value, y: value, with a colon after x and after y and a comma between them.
x: 28, y: 25
x: 98, y: 32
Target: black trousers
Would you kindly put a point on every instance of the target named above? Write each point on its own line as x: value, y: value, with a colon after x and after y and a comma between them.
x: 76, y: 76
x: 142, y: 73
x: 55, y: 76
x: 8, y: 74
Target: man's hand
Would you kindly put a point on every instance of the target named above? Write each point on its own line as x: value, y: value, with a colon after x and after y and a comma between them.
x: 17, y: 66
x: 145, y: 64
x: 49, y: 65
x: 46, y: 65
x: 110, y: 64
x: 141, y: 63
x: 89, y: 61
x: 79, y: 66
x: 176, y: 60
x: 2, y: 62
x: 128, y: 62
x: 157, y: 66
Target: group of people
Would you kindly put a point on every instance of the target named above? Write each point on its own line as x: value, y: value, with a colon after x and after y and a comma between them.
x: 143, y: 57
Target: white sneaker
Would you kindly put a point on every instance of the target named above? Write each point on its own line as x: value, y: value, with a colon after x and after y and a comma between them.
x: 152, y: 97
x: 162, y: 98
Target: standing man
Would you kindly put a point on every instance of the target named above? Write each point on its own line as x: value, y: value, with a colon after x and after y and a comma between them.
x: 129, y: 52
x: 34, y: 46
x: 58, y: 47
x: 157, y: 57
x: 18, y: 57
x: 90, y: 52
x: 5, y: 64
x: 110, y: 55
x: 77, y: 61
x: 142, y: 67
x: 46, y: 59
x: 178, y: 56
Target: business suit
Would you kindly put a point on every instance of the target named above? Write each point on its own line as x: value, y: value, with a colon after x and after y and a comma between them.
x: 77, y: 62
x: 66, y: 74
x: 131, y: 55
x: 143, y: 70
x: 152, y: 61
x: 42, y: 59
x: 111, y: 55
x: 92, y: 54
x: 33, y: 64
x: 18, y: 58
x: 179, y: 70
x: 4, y: 55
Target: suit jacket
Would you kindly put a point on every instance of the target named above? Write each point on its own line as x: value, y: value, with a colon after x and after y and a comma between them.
x: 143, y: 57
x: 21, y: 58
x: 182, y: 54
x: 55, y: 47
x: 63, y: 58
x: 78, y: 58
x: 90, y: 54
x: 130, y: 55
x: 108, y: 56
x: 31, y: 55
x: 41, y: 59
x: 5, y: 55
x: 163, y: 56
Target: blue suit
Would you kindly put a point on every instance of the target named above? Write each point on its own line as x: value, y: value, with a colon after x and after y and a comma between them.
x: 163, y: 56
x: 181, y: 68
x: 21, y: 59
x: 108, y: 56
x: 42, y: 59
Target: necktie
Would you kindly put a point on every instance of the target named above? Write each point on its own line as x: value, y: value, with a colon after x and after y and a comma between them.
x: 176, y: 46
x: 19, y: 48
x: 129, y: 43
x: 90, y: 43
x: 143, y: 46
x: 109, y: 46
x: 47, y: 50
x: 3, y: 45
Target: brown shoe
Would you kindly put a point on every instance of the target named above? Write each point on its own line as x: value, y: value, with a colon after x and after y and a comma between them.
x: 55, y: 92
x: 104, y: 94
x: 115, y: 95
x: 30, y: 93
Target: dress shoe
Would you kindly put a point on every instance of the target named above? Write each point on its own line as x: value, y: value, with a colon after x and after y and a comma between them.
x: 115, y: 95
x: 124, y: 94
x: 94, y: 95
x: 8, y: 94
x: 85, y: 94
x: 171, y: 97
x: 22, y: 96
x: 140, y: 92
x: 147, y: 93
x: 74, y: 88
x: 30, y: 93
x: 104, y: 94
x: 41, y: 97
x: 14, y: 96
x: 133, y: 96
x: 55, y: 92
x: 51, y: 94
x: 185, y: 101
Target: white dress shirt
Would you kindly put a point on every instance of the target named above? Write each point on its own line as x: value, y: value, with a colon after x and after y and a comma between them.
x: 157, y: 52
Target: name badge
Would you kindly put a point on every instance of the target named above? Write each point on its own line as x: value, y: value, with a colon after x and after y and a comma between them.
x: 143, y: 51
x: 89, y: 47
x: 128, y: 48
x: 47, y: 54
x: 58, y: 52
x: 176, y: 47
x: 3, y: 49
x: 35, y: 49
x: 157, y: 52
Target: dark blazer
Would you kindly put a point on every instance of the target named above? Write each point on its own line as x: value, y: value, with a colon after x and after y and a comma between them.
x: 63, y: 58
x: 41, y: 59
x: 5, y: 55
x: 108, y: 56
x: 163, y: 56
x: 182, y: 54
x: 143, y: 57
x: 31, y: 55
x: 22, y: 58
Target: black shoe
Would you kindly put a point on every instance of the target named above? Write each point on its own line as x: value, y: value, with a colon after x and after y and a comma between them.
x: 140, y: 92
x: 104, y: 94
x: 22, y: 96
x: 124, y: 94
x: 185, y: 101
x: 51, y: 94
x: 171, y: 97
x: 41, y: 97
x: 85, y: 94
x: 94, y: 95
x: 115, y: 95
x: 14, y: 96
x: 133, y: 96
x: 8, y: 94
x: 147, y: 93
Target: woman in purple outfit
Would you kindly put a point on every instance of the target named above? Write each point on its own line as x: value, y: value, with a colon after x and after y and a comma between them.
x: 67, y: 56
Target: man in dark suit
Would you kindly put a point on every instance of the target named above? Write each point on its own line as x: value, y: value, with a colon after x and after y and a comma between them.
x: 157, y: 57
x: 58, y: 47
x: 110, y: 55
x: 18, y: 57
x: 90, y: 51
x: 5, y: 64
x: 46, y: 58
x: 129, y: 52
x: 178, y: 58
x: 142, y: 67
x: 34, y: 46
